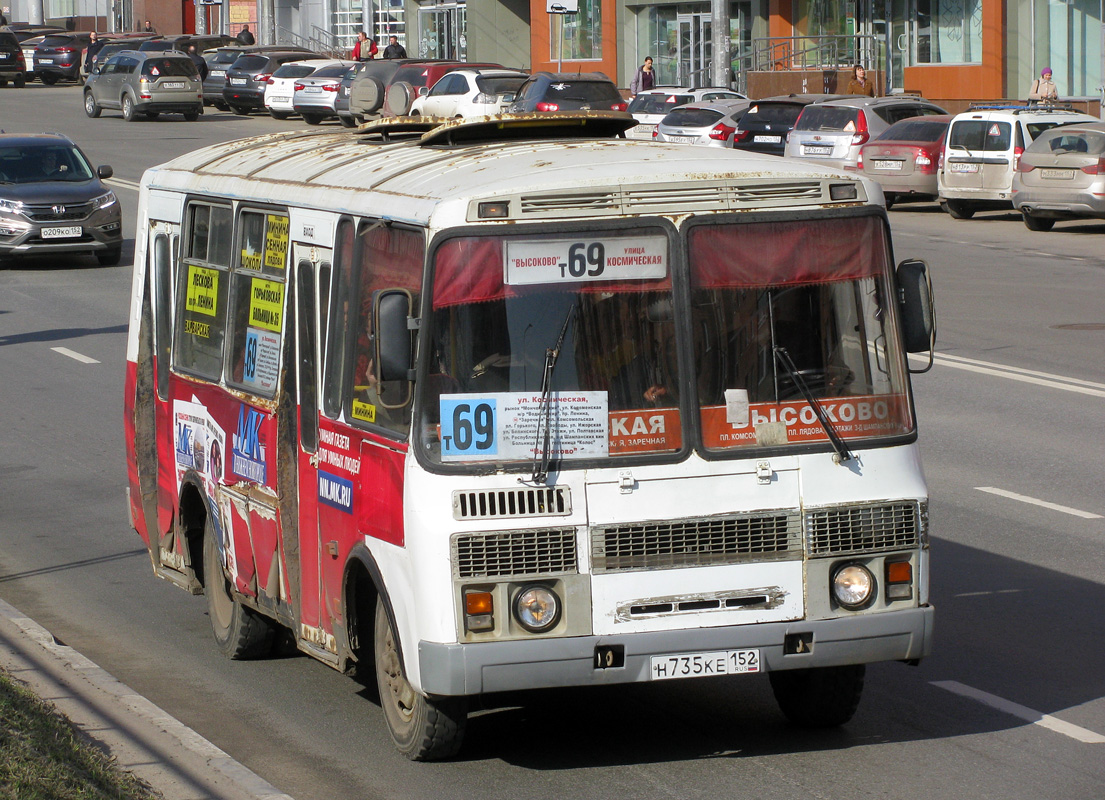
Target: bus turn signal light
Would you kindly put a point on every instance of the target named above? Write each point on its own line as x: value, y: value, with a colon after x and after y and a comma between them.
x: 479, y: 611
x: 899, y: 580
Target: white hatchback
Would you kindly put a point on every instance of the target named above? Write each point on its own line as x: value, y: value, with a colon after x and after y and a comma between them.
x: 474, y: 92
x: 281, y: 84
x: 652, y: 105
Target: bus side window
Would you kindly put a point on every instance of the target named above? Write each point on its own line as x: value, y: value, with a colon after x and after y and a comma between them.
x: 337, y: 322
x: 202, y: 292
x: 388, y: 258
x: 257, y: 302
x: 308, y: 356
x: 163, y: 321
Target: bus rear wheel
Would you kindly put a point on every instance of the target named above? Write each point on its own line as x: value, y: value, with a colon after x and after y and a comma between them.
x: 240, y: 633
x: 823, y: 697
x: 422, y: 728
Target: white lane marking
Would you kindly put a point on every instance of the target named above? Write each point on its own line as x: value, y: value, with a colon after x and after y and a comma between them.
x: 65, y: 351
x: 1018, y: 374
x: 122, y: 184
x: 1022, y: 712
x: 1037, y: 502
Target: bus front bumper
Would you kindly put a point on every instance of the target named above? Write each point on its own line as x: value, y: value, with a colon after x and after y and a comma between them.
x: 471, y: 669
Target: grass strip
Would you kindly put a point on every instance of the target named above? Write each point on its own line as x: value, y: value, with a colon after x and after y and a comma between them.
x: 43, y: 756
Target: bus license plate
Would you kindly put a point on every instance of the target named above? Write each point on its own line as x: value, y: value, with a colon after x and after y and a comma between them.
x: 1057, y: 174
x: 69, y: 232
x: 817, y: 150
x: 173, y: 85
x: 767, y: 139
x: 954, y: 167
x: 701, y: 665
x: 895, y: 165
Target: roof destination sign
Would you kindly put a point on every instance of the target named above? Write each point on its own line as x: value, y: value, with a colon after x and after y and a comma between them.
x: 585, y: 259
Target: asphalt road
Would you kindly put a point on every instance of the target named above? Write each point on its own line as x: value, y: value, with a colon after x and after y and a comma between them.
x: 1010, y: 706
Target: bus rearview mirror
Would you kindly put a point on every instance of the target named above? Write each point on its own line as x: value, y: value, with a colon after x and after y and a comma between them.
x: 915, y: 302
x: 394, y: 343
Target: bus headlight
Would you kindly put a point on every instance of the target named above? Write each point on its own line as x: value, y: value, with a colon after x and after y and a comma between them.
x: 537, y: 608
x: 853, y: 586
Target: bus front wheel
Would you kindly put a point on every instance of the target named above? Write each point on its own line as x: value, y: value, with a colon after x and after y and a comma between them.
x: 240, y: 633
x: 823, y: 697
x: 423, y: 729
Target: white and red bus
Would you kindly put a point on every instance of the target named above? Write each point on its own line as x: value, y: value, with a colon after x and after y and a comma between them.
x: 517, y: 403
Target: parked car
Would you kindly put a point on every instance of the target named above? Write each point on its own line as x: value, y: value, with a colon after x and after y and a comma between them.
x: 1061, y: 175
x: 652, y: 105
x: 832, y: 132
x: 474, y: 92
x: 316, y: 94
x: 281, y: 86
x: 60, y: 56
x: 364, y: 88
x: 568, y: 91
x: 181, y: 42
x: 711, y: 124
x: 13, y: 67
x: 414, y: 79
x: 764, y: 127
x: 981, y: 152
x: 150, y: 83
x: 220, y: 59
x: 52, y: 201
x: 28, y: 46
x: 247, y: 78
x: 905, y: 158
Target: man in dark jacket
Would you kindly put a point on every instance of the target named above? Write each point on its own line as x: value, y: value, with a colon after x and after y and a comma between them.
x: 394, y: 49
x: 197, y: 59
x: 244, y: 37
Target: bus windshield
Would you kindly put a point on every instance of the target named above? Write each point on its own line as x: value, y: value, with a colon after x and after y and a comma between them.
x: 593, y: 318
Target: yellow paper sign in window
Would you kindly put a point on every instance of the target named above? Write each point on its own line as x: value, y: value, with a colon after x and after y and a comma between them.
x: 364, y: 411
x: 266, y: 304
x: 276, y: 241
x: 203, y: 291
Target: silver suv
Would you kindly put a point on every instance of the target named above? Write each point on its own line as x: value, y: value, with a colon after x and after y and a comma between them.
x: 833, y: 132
x: 151, y: 83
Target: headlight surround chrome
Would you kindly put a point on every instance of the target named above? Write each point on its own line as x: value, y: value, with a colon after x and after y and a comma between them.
x: 11, y: 206
x: 853, y: 586
x: 104, y: 201
x: 537, y: 608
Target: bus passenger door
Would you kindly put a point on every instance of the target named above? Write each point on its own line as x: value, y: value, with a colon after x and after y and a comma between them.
x: 312, y: 291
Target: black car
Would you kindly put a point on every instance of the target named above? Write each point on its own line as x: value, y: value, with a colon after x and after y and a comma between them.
x: 183, y: 41
x: 568, y: 91
x: 220, y: 60
x: 60, y: 56
x: 100, y: 51
x: 53, y: 201
x: 764, y: 127
x: 13, y: 67
x: 247, y: 78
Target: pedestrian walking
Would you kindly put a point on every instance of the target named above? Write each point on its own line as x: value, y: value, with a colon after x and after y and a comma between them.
x: 645, y: 78
x: 364, y: 49
x: 197, y: 59
x: 859, y: 83
x: 1043, y: 88
x: 244, y: 36
x: 394, y: 49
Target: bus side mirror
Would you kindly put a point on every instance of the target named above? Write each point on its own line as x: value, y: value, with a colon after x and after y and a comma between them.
x: 915, y: 303
x: 394, y: 339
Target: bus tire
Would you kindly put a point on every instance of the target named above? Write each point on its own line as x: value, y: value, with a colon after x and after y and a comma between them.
x: 423, y: 728
x: 823, y: 697
x: 240, y: 633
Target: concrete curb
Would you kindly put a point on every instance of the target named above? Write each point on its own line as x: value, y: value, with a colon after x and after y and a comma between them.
x: 142, y: 738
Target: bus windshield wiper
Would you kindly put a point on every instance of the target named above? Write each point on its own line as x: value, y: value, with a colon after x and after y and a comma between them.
x: 787, y: 363
x: 544, y: 413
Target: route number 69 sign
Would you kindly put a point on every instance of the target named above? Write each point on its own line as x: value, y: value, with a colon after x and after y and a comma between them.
x: 579, y: 259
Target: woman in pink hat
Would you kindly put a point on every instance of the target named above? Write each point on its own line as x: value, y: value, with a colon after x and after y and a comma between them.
x: 1043, y: 88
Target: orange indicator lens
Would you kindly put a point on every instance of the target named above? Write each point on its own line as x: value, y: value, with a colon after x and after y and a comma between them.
x: 476, y: 603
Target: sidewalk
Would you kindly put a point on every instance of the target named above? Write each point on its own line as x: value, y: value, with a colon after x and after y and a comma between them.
x: 143, y: 739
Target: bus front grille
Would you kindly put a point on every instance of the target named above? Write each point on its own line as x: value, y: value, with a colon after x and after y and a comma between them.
x: 516, y: 502
x: 501, y: 554
x: 846, y: 530
x: 697, y: 542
